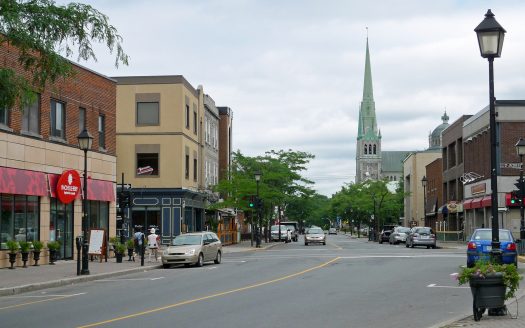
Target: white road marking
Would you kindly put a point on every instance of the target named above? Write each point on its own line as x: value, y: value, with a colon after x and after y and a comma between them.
x: 233, y: 261
x: 437, y: 286
x: 129, y: 279
x: 44, y: 295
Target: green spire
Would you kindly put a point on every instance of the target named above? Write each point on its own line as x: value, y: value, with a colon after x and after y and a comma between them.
x: 367, y: 113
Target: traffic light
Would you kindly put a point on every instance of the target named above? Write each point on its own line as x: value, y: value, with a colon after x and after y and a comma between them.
x: 252, y: 202
x: 519, y: 192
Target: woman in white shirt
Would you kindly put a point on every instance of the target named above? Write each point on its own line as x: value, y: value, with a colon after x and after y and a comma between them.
x: 153, y: 244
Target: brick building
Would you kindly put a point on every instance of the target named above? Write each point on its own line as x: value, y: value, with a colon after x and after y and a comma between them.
x: 434, y: 193
x: 39, y: 143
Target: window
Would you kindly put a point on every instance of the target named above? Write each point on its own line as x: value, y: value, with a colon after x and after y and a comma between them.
x: 370, y: 149
x: 195, y: 169
x: 147, y: 164
x: 81, y: 119
x: 101, y: 131
x: 195, y: 122
x: 20, y: 219
x: 366, y: 149
x: 4, y: 117
x: 31, y: 117
x: 148, y: 113
x: 375, y: 149
x: 58, y: 119
x: 187, y: 167
x: 187, y: 116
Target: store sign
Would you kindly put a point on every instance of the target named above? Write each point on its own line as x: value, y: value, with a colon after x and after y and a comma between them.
x: 68, y: 186
x: 144, y: 170
x: 478, y: 189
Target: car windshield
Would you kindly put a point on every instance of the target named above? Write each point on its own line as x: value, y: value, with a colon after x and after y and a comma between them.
x: 423, y: 230
x: 314, y: 230
x: 186, y: 240
x: 487, y: 235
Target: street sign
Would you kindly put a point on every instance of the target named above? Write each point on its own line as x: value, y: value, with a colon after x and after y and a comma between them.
x: 510, y: 165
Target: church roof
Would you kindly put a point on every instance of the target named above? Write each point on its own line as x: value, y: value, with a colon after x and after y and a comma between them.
x: 437, y: 131
x: 367, y: 129
x: 392, y: 161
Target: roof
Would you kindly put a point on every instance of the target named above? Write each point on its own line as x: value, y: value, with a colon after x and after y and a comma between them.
x: 392, y: 161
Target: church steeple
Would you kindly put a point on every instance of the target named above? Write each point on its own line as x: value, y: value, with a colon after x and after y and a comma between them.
x: 367, y: 114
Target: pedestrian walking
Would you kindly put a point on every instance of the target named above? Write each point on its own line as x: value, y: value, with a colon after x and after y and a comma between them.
x: 153, y: 244
x: 137, y: 238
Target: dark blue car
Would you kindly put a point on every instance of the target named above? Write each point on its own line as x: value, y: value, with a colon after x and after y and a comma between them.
x: 479, y: 246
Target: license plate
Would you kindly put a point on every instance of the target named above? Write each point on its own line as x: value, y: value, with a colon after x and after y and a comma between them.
x: 488, y: 248
x: 424, y: 237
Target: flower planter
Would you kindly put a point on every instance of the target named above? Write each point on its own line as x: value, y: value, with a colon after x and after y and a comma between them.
x: 36, y: 257
x: 52, y: 256
x: 25, y: 257
x: 12, y: 259
x: 118, y: 256
x: 130, y: 254
x: 487, y: 292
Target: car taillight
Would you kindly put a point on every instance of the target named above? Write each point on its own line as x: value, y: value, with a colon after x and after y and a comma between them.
x: 511, y: 247
x: 471, y: 245
x: 432, y: 236
x: 416, y: 235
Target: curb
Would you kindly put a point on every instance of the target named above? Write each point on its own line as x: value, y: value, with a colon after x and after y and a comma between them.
x: 70, y: 281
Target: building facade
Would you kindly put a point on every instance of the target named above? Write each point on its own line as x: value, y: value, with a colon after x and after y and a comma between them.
x: 160, y: 150
x: 39, y: 143
x: 510, y: 126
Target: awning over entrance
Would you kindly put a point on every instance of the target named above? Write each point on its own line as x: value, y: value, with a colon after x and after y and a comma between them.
x: 22, y: 182
x: 467, y: 204
x: 486, y: 201
x: 476, y: 202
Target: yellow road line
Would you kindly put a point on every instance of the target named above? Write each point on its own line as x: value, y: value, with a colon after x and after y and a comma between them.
x: 34, y: 302
x: 208, y: 297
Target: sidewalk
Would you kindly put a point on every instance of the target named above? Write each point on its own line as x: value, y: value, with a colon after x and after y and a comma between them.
x: 63, y: 273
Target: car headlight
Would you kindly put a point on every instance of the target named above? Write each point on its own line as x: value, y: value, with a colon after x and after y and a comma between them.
x: 165, y: 252
x: 190, y: 252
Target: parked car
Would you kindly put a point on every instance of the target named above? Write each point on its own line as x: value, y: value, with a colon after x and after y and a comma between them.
x: 385, y: 233
x: 480, y: 245
x: 285, y: 235
x: 315, y: 235
x: 293, y: 232
x: 193, y: 248
x: 398, y: 235
x: 421, y: 236
x: 332, y: 231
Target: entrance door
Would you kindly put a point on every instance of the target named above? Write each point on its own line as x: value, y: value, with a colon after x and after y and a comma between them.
x: 62, y: 222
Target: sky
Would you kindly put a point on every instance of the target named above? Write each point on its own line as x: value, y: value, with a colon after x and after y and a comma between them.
x: 292, y: 70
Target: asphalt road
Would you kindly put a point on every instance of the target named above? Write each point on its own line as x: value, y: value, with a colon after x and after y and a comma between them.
x: 347, y: 283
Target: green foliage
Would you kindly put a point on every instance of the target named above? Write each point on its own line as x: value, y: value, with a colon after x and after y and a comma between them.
x: 13, y: 246
x: 37, y: 245
x: 53, y: 245
x: 25, y: 246
x: 42, y: 32
x: 130, y: 244
x: 120, y: 248
x: 511, y: 277
x: 114, y: 240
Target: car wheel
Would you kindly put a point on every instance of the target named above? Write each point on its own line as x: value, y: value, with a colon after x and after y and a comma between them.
x: 406, y: 245
x: 434, y: 247
x: 428, y: 247
x: 166, y: 266
x: 380, y: 241
x: 305, y: 244
x: 218, y: 258
x: 200, y: 261
x: 324, y: 242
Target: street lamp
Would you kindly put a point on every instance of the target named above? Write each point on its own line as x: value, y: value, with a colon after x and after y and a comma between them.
x: 520, y: 150
x: 490, y: 38
x: 257, y: 175
x: 84, y: 143
x: 424, y: 181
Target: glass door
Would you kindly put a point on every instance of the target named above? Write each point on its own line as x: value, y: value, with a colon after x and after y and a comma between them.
x: 62, y: 228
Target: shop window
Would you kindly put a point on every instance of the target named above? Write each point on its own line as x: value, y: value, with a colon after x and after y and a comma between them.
x: 98, y: 215
x: 19, y: 219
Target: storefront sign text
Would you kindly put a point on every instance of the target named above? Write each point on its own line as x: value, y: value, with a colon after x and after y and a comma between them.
x: 68, y: 186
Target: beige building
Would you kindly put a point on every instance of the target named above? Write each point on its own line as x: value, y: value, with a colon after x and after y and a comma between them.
x: 160, y: 151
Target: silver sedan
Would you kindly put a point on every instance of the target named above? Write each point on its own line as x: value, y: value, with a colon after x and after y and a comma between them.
x: 193, y: 248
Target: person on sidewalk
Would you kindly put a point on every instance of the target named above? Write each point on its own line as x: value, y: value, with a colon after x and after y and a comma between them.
x: 137, y: 239
x: 153, y: 244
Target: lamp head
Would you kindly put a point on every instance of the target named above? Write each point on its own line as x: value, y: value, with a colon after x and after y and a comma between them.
x: 490, y: 36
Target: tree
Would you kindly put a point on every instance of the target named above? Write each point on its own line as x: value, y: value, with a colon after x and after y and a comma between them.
x: 43, y: 32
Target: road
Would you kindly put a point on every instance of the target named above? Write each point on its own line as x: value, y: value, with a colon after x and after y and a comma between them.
x: 347, y: 283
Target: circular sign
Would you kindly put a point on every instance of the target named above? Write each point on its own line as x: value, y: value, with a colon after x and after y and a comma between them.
x: 68, y: 186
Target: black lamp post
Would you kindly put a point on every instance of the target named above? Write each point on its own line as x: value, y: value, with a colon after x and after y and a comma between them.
x: 490, y: 38
x: 84, y: 142
x: 257, y: 175
x: 424, y: 181
x: 520, y: 149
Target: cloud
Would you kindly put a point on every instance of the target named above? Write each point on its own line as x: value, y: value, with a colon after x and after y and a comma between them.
x: 292, y: 71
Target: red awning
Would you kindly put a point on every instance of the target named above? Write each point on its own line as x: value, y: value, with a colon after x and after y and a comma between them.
x: 486, y: 201
x: 467, y: 204
x: 22, y: 182
x: 476, y: 203
x: 97, y: 189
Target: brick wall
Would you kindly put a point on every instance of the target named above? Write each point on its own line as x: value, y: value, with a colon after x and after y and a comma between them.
x: 94, y: 92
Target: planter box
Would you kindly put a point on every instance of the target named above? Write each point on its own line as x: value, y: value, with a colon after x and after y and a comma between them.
x: 488, y: 292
